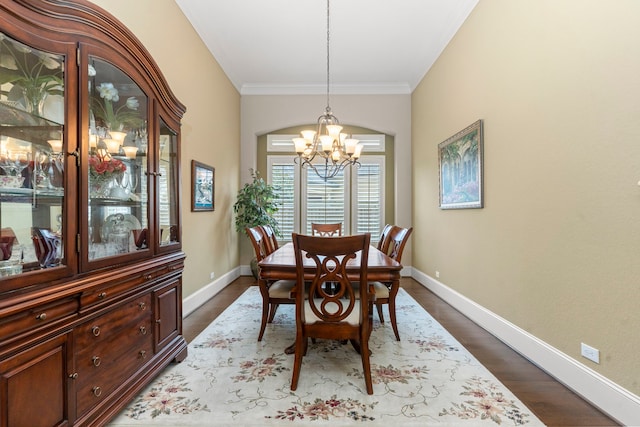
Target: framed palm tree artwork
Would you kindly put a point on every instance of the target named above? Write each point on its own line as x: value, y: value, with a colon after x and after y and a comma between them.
x: 460, y: 168
x: 202, y: 187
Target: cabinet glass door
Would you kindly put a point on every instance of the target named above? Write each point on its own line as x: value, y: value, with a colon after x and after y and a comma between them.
x: 167, y: 177
x: 31, y: 158
x: 117, y: 173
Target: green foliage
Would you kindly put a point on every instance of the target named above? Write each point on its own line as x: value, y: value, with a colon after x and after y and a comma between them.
x: 256, y: 204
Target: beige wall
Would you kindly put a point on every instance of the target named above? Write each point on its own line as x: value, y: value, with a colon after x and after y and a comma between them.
x: 555, y: 249
x: 210, y: 129
x: 388, y: 114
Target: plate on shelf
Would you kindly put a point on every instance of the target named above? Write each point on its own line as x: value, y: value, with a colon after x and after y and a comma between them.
x: 129, y: 222
x: 8, y: 181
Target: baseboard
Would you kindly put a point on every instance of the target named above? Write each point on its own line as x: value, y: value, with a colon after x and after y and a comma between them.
x: 609, y: 397
x: 204, y: 294
x: 245, y: 270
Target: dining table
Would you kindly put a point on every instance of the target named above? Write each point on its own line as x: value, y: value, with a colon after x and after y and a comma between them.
x: 281, y: 265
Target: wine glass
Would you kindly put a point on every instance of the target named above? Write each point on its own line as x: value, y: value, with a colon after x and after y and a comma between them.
x: 41, y: 179
x: 56, y: 171
x: 141, y: 137
x: 130, y: 181
x: 21, y: 160
x: 7, y: 164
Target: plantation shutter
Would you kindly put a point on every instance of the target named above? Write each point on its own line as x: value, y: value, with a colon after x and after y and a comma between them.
x: 282, y: 175
x: 325, y: 201
x: 369, y: 196
x: 304, y: 197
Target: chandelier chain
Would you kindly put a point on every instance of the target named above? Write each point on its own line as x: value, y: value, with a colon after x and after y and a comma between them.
x: 333, y: 149
x: 328, y: 43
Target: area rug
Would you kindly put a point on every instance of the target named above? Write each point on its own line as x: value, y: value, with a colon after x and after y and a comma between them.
x: 231, y: 379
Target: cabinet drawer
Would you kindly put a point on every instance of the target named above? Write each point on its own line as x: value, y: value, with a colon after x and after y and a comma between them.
x: 105, y: 293
x: 110, y: 324
x: 103, y: 356
x: 100, y: 385
x: 37, y: 316
x: 166, y: 269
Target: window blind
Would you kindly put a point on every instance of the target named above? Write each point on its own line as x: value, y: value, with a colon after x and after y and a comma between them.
x: 325, y: 201
x: 305, y: 198
x: 282, y: 177
x: 368, y: 199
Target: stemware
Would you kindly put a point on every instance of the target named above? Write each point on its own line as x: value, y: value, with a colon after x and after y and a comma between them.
x: 6, y: 164
x: 141, y: 138
x: 128, y: 181
x: 41, y: 178
x: 21, y: 160
x: 56, y: 171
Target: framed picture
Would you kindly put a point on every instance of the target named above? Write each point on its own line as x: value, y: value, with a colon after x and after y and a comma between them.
x: 202, y: 186
x: 460, y: 167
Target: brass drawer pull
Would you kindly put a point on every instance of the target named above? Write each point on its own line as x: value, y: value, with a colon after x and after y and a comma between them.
x: 41, y: 316
x: 74, y: 376
x: 96, y: 361
x: 102, y: 295
x: 97, y: 391
x: 95, y: 331
x: 174, y: 267
x: 142, y: 306
x: 143, y: 330
x: 148, y: 276
x: 143, y: 354
x: 158, y: 321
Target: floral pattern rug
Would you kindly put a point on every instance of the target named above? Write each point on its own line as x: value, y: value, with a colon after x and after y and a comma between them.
x: 231, y: 379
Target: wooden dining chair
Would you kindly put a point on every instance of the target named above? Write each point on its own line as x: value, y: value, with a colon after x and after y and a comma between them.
x: 386, y: 293
x: 326, y: 230
x: 274, y: 292
x: 271, y: 242
x: 383, y: 237
x: 333, y: 313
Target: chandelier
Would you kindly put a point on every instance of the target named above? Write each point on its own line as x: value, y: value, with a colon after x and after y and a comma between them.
x: 328, y: 143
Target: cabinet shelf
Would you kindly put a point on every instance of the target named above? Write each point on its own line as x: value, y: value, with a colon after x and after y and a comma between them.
x: 105, y: 201
x: 19, y: 124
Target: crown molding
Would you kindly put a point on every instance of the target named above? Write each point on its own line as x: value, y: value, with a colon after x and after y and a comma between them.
x: 354, y: 89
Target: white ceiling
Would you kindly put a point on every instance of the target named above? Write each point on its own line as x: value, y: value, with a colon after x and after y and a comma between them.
x: 279, y: 46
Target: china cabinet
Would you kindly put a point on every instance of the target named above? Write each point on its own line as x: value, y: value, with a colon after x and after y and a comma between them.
x: 90, y: 254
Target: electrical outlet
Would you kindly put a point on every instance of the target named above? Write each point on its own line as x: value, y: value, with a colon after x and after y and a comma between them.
x: 212, y: 275
x: 437, y: 274
x: 590, y: 353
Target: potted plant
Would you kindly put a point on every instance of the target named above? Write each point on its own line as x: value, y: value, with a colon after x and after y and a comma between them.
x: 255, y: 205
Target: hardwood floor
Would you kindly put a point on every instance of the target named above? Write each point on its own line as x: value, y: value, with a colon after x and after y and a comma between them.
x: 550, y: 401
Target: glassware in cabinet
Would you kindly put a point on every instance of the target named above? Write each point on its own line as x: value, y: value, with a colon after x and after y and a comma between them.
x: 117, y: 171
x: 31, y: 158
x: 167, y: 176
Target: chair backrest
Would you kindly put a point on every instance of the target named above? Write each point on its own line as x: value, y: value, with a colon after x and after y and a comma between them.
x: 326, y: 230
x: 383, y: 236
x: 396, y: 241
x: 330, y: 296
x: 258, y: 241
x: 270, y: 240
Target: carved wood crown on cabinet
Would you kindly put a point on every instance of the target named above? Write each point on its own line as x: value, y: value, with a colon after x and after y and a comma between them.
x: 91, y: 305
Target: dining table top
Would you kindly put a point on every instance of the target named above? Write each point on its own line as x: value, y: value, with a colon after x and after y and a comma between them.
x: 281, y: 265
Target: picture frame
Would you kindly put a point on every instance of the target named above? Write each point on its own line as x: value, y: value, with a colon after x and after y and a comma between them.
x: 202, y: 187
x: 460, y: 166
